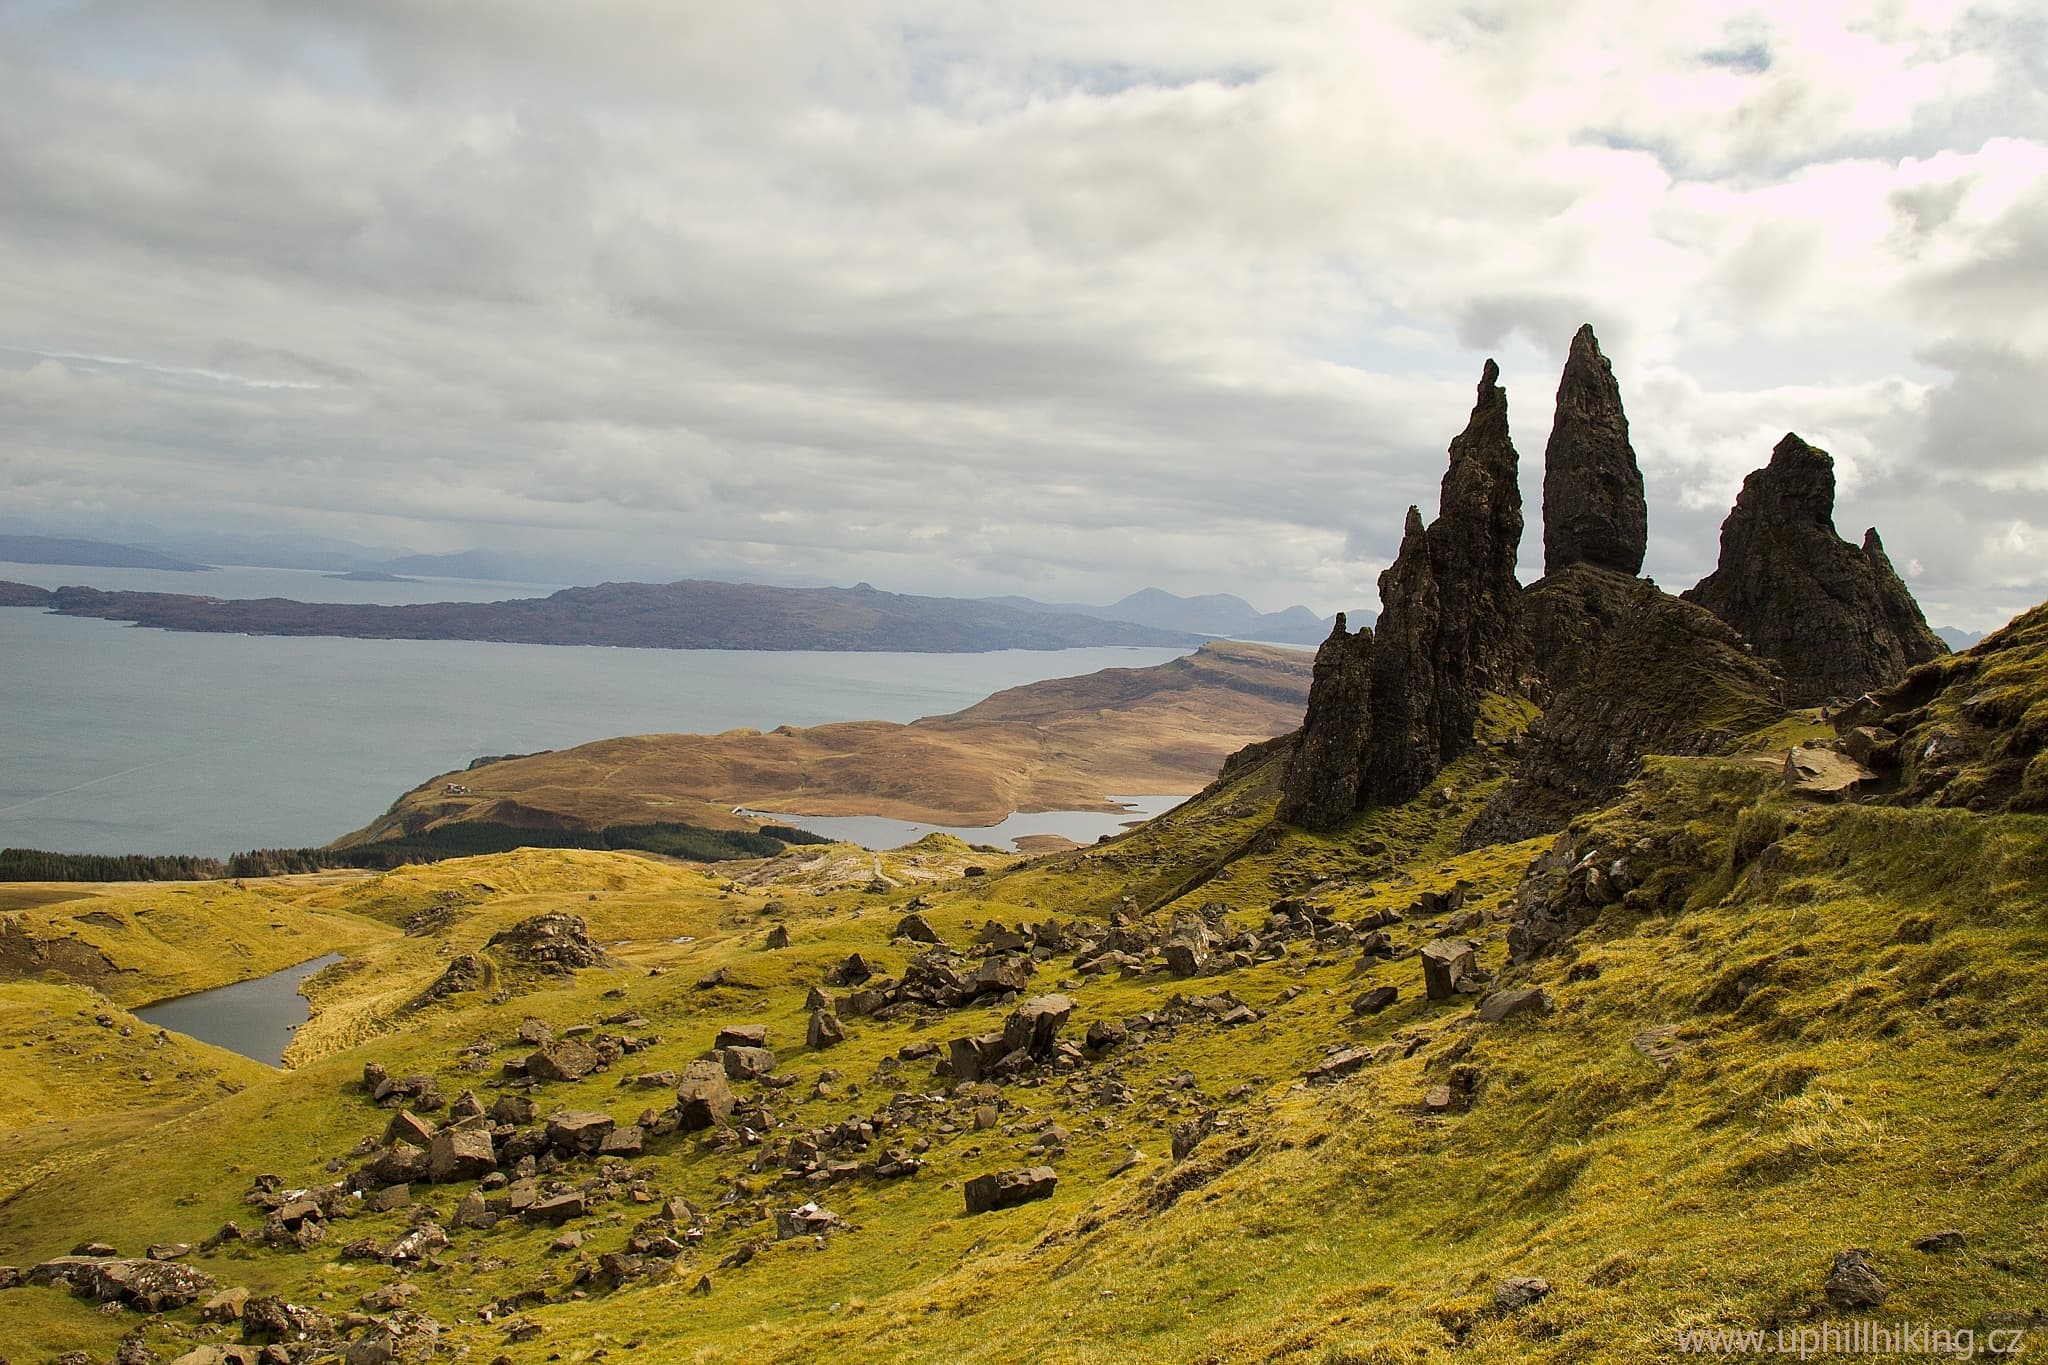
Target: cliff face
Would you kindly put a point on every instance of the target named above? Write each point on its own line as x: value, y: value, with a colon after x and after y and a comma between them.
x: 1835, y: 618
x: 1593, y: 508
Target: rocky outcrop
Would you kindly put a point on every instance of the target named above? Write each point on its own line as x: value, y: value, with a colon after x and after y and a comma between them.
x: 1628, y: 670
x: 1406, y: 718
x: 1834, y: 618
x: 1969, y: 730
x: 1389, y: 707
x: 553, y: 942
x: 1473, y: 546
x: 1593, y: 508
x: 1323, y: 780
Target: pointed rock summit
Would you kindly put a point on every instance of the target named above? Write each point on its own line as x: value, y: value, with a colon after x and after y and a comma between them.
x: 1390, y: 706
x: 1836, y: 619
x: 1593, y: 508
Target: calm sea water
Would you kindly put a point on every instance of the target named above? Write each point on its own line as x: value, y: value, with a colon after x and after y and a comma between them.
x: 115, y: 739
x: 1082, y: 826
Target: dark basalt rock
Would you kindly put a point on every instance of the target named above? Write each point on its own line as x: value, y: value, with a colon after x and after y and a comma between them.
x: 1593, y: 508
x: 1448, y: 632
x: 1629, y: 670
x: 1401, y: 745
x: 1322, y: 782
x: 1835, y: 618
x: 1473, y: 545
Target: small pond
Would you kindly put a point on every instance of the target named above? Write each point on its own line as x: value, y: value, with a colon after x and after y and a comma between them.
x: 1082, y: 826
x: 255, y: 1018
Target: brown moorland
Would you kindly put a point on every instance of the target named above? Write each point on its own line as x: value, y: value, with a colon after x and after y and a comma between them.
x: 1062, y: 744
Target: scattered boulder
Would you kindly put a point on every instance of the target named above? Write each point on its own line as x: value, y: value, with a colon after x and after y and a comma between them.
x: 1941, y: 1243
x: 461, y: 1154
x: 1519, y: 1291
x: 917, y: 929
x: 746, y: 1063
x: 825, y: 1030
x: 1008, y: 1189
x: 703, y: 1099
x: 1504, y: 1005
x: 1375, y: 1000
x: 276, y: 1321
x: 741, y: 1035
x: 1340, y: 1063
x: 1853, y: 1282
x: 579, y: 1132
x: 149, y: 1286
x: 557, y: 1210
x: 1450, y: 967
x: 1035, y: 1025
x: 1104, y: 1034
x: 569, y: 1059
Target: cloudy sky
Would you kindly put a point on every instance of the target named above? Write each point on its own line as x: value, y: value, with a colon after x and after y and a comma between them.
x: 1058, y: 297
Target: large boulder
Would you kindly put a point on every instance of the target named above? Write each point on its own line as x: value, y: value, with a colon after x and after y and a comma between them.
x: 703, y: 1099
x: 1593, y: 508
x: 145, y: 1285
x: 1034, y: 1026
x: 579, y: 1132
x: 1008, y: 1189
x: 568, y: 1059
x: 1834, y: 617
x: 1450, y: 968
x: 461, y: 1154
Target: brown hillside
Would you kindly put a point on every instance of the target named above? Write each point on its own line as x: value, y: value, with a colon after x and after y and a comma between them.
x: 1063, y: 744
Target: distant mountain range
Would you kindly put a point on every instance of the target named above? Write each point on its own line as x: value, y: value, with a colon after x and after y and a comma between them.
x: 1211, y: 614
x: 692, y: 614
x: 97, y: 554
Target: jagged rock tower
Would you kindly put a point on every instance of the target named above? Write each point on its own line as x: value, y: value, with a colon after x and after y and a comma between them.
x: 1593, y: 508
x: 1621, y: 667
x: 1835, y: 618
x: 1389, y: 707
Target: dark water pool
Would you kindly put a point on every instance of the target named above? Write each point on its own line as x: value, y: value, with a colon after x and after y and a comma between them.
x: 255, y: 1018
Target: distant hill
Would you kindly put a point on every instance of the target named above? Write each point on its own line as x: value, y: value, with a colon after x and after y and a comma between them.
x: 1957, y: 639
x: 691, y: 614
x: 1061, y: 744
x: 92, y: 554
x: 1210, y: 614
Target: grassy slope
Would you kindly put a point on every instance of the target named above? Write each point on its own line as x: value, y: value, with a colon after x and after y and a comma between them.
x: 1856, y: 1008
x: 172, y: 938
x: 1063, y: 744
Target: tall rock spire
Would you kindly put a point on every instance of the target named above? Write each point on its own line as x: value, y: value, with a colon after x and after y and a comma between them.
x: 1407, y: 694
x: 1834, y: 618
x: 1321, y: 787
x: 1593, y: 508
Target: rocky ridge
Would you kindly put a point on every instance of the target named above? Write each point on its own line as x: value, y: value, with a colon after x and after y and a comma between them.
x: 1621, y: 668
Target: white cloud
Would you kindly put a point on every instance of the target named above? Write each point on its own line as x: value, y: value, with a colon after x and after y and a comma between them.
x: 966, y: 297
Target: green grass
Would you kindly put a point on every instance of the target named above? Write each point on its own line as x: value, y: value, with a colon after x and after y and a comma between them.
x: 1853, y: 995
